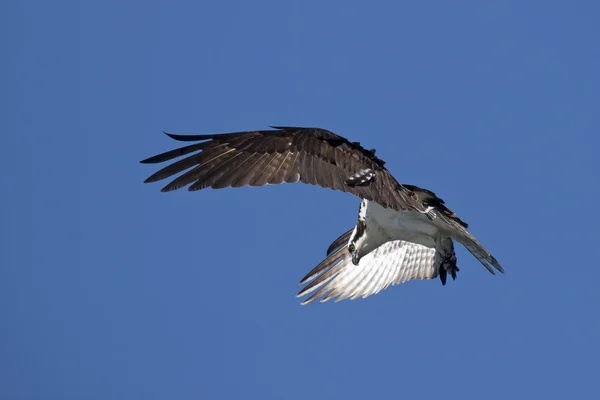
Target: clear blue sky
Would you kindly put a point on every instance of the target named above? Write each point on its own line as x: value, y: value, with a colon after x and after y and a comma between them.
x: 110, y: 289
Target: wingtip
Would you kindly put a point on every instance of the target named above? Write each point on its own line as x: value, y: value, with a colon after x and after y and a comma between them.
x: 308, y: 277
x: 174, y: 136
x: 302, y: 292
x: 305, y: 301
x: 284, y: 128
x: 160, y: 157
x: 496, y: 264
x: 168, y: 188
x: 188, y: 138
x: 171, y: 135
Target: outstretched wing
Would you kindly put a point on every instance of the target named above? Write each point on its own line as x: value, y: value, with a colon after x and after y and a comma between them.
x: 393, y: 263
x: 458, y: 227
x: 283, y: 155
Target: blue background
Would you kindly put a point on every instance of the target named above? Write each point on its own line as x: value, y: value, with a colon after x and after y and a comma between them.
x: 110, y: 289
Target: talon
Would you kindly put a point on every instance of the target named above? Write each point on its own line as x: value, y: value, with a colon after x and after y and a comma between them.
x: 447, y: 265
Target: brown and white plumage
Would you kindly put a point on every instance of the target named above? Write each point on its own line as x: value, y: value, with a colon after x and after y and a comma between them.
x: 403, y: 231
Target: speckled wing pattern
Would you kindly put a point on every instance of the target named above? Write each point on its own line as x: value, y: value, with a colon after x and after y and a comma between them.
x: 392, y: 263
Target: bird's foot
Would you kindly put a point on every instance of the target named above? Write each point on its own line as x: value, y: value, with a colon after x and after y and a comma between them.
x: 448, y: 266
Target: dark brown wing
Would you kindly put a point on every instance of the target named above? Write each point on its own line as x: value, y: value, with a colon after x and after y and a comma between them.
x: 283, y: 155
x: 429, y: 199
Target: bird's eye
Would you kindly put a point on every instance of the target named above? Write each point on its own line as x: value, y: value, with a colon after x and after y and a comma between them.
x: 351, y: 248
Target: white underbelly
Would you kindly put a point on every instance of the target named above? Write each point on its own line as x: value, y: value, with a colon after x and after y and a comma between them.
x: 411, y: 226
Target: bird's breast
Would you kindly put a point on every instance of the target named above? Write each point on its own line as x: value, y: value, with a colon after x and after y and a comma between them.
x: 411, y: 226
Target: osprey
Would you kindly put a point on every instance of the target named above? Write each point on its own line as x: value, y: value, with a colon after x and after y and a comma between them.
x: 403, y: 232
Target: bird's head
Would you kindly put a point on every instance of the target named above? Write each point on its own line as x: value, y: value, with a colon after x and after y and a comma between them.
x: 359, y: 245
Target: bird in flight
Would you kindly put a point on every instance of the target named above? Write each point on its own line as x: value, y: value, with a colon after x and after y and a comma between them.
x: 403, y: 232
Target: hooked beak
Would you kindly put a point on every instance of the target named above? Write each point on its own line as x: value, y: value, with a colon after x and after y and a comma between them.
x: 355, y: 258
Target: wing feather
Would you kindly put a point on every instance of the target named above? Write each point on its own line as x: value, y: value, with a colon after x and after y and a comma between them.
x: 219, y: 168
x: 393, y: 263
x: 277, y: 177
x: 226, y: 176
x: 463, y: 236
x: 169, y: 155
x: 308, y: 170
x: 243, y: 173
x: 292, y: 175
x: 179, y: 166
x: 286, y: 154
x: 251, y: 176
x: 340, y: 241
x: 265, y: 169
